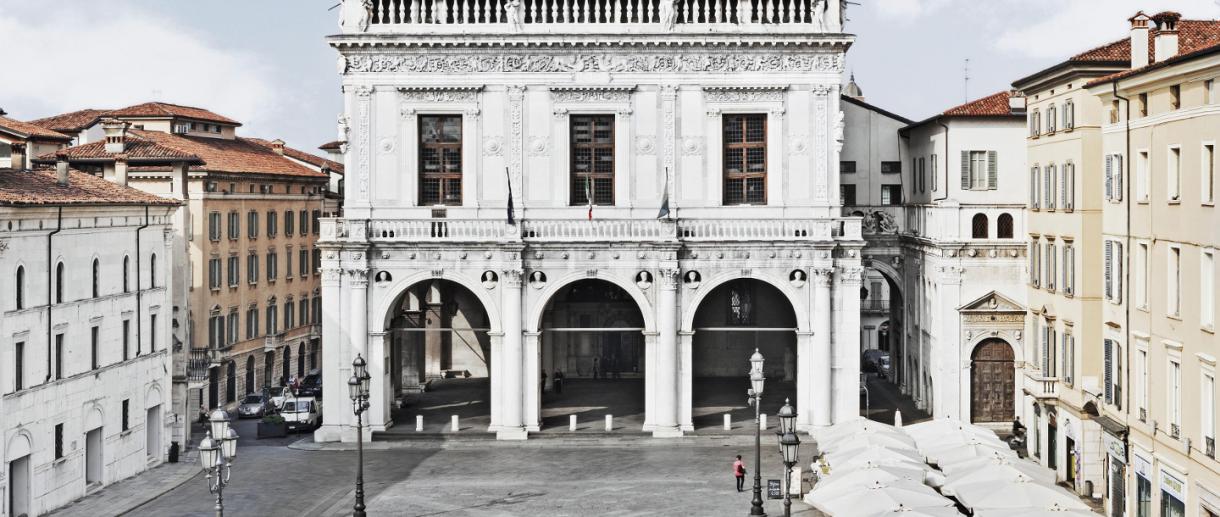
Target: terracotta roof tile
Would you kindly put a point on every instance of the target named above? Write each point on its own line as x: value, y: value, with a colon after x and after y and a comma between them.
x: 71, y: 122
x: 1110, y: 52
x: 163, y: 109
x: 297, y: 154
x: 41, y: 188
x: 1194, y: 37
x: 138, y: 149
x: 994, y: 105
x: 31, y: 131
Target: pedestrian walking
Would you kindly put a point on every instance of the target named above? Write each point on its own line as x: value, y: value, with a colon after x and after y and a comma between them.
x: 543, y: 387
x: 557, y: 383
x: 739, y: 472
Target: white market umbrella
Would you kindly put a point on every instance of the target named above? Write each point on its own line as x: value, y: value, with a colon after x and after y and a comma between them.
x: 851, y: 480
x: 927, y: 511
x: 989, y: 474
x: 878, y: 499
x: 855, y: 441
x: 1015, y: 495
x: 1035, y: 512
x: 873, y: 452
x: 874, y: 460
x: 910, y: 471
x: 957, y: 464
x: 1001, y: 469
x: 856, y: 425
x: 965, y: 452
x: 942, y: 428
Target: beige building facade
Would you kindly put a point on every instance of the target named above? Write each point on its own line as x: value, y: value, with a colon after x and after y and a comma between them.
x: 1160, y: 271
x: 1059, y: 384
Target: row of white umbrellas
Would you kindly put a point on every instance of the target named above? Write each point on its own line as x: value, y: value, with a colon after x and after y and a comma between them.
x: 880, y: 470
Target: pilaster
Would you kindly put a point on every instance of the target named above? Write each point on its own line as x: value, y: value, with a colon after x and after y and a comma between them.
x: 665, y: 419
x: 846, y: 342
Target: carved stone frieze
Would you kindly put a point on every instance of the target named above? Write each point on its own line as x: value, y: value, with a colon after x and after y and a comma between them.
x: 694, y: 60
x: 744, y: 95
x: 438, y: 95
x: 513, y: 277
x: 591, y: 95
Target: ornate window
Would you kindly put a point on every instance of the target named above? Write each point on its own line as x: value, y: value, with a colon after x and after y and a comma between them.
x: 1003, y: 226
x: 592, y: 159
x: 741, y: 305
x: 978, y: 225
x: 745, y: 159
x: 440, y: 159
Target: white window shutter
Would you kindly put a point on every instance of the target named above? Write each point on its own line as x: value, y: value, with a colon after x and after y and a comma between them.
x: 1070, y: 197
x: 1109, y: 274
x: 965, y: 170
x: 1118, y: 272
x: 1063, y: 202
x: 992, y: 172
x: 1118, y: 177
x: 1109, y: 377
x: 1109, y: 176
x: 1033, y: 187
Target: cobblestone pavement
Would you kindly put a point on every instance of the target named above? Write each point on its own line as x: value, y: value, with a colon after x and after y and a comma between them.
x: 132, y: 492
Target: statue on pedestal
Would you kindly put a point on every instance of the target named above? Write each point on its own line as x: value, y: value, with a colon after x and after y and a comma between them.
x: 355, y: 15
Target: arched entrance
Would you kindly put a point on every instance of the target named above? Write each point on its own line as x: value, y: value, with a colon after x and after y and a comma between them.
x: 991, y: 382
x: 231, y: 382
x: 438, y: 334
x: 881, y: 321
x: 287, y: 365
x: 214, y: 387
x: 592, y: 336
x: 250, y: 384
x: 269, y: 369
x: 733, y: 320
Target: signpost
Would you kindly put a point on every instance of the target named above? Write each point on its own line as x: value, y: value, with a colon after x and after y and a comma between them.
x: 775, y: 489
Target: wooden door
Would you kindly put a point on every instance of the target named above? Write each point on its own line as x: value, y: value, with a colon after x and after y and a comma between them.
x: 992, y: 382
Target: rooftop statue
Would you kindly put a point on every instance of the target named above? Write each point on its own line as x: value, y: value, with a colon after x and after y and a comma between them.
x: 355, y: 15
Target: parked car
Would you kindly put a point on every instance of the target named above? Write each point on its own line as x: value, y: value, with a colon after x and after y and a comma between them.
x: 311, y: 385
x: 253, y: 406
x: 877, y: 361
x: 277, y: 395
x: 302, y: 413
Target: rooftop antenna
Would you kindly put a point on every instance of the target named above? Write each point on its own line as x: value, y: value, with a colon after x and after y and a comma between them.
x: 966, y: 81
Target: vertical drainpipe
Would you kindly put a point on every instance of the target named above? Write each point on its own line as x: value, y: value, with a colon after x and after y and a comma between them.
x: 139, y: 290
x: 59, y: 224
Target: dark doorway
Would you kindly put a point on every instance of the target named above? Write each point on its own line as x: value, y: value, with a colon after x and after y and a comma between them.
x: 231, y: 382
x: 214, y: 387
x: 592, y: 338
x: 731, y: 322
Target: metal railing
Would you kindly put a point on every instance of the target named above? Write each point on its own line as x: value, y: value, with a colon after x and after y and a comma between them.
x: 448, y: 12
x: 198, y: 363
x: 874, y: 305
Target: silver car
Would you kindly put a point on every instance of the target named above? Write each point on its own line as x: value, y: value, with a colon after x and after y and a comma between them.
x: 253, y: 406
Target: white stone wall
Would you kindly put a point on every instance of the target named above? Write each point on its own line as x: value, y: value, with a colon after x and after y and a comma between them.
x: 84, y: 398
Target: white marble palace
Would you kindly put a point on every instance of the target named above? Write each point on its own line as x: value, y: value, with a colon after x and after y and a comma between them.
x: 639, y: 189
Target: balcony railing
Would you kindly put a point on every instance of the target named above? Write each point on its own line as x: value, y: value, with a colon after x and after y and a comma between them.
x: 451, y: 12
x: 875, y: 305
x: 199, y: 362
x: 1041, y: 387
x: 601, y: 230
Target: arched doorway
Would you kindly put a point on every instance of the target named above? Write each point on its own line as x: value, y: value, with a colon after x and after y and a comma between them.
x: 730, y: 323
x: 592, y: 336
x: 214, y: 387
x: 301, y: 359
x: 287, y: 365
x: 269, y: 369
x: 231, y: 382
x: 992, y: 382
x: 250, y: 384
x: 438, y: 334
x: 881, y: 322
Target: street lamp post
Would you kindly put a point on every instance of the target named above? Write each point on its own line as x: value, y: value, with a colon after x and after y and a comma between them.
x: 358, y: 387
x: 788, y: 445
x: 216, y: 454
x: 755, y: 393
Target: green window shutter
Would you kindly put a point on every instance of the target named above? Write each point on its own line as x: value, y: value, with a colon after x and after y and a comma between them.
x: 992, y: 173
x: 965, y: 170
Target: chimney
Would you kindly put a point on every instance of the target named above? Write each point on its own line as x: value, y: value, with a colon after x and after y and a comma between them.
x: 1166, y: 35
x: 116, y: 135
x: 61, y: 172
x: 120, y: 170
x: 1016, y: 102
x: 1139, y: 40
x: 277, y: 145
x: 17, y: 154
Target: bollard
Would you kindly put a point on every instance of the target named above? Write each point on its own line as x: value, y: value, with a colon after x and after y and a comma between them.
x: 571, y: 422
x: 762, y: 421
x: 454, y: 423
x: 728, y: 422
x: 419, y: 423
x: 609, y: 422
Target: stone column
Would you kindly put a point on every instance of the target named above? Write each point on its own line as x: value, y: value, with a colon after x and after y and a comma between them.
x: 823, y: 390
x: 806, y: 373
x: 951, y: 373
x: 512, y: 426
x: 665, y: 421
x: 846, y: 360
x: 686, y: 387
x: 650, y: 380
x: 334, y: 353
x: 378, y: 417
x: 532, y: 381
x: 357, y: 337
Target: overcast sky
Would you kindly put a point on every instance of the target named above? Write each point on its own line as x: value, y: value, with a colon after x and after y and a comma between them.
x: 264, y: 62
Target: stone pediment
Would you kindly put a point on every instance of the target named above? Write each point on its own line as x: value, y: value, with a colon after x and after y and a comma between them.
x: 992, y: 302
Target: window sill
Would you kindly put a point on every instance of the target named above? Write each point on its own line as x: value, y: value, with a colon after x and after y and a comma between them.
x: 1210, y: 329
x: 1175, y: 317
x: 123, y: 434
x: 1173, y: 202
x: 59, y: 461
x: 1143, y: 201
x: 1208, y: 203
